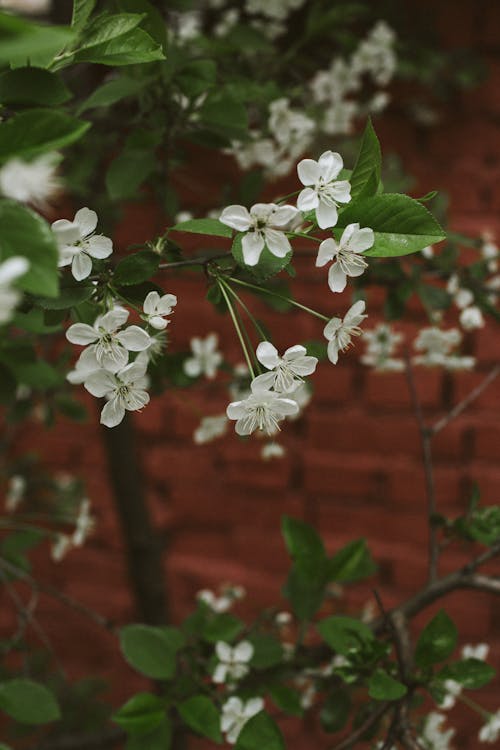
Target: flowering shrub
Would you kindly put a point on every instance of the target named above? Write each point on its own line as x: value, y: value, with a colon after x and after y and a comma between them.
x: 167, y: 80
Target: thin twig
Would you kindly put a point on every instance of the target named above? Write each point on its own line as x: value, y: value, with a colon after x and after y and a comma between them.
x: 367, y: 725
x: 460, y: 407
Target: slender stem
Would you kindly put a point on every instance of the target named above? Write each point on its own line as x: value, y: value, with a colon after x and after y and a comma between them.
x: 368, y: 724
x: 238, y: 299
x: 192, y: 262
x: 474, y: 706
x: 288, y: 195
x: 237, y: 328
x: 279, y: 296
x: 460, y: 407
x: 304, y: 236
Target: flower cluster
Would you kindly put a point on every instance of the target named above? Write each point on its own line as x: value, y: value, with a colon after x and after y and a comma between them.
x: 437, y: 347
x: 78, y: 244
x: 381, y: 345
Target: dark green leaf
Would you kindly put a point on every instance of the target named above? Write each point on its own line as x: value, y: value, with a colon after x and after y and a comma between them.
x: 39, y: 375
x: 225, y: 115
x: 437, y: 640
x: 471, y: 673
x: 222, y: 627
x: 129, y: 49
x: 304, y: 545
x: 335, y: 710
x: 128, y: 171
x: 142, y: 713
x: 268, y: 264
x: 286, y: 699
x: 113, y: 91
x: 260, y: 732
x: 81, y: 12
x: 108, y: 27
x: 28, y: 702
x: 149, y: 650
x: 34, y: 322
x: 200, y: 714
x: 365, y: 176
x: 344, y: 633
x: 23, y: 42
x: 37, y: 131
x: 159, y: 738
x: 351, y: 563
x: 196, y: 77
x: 134, y: 269
x: 268, y: 651
x: 434, y: 297
x: 383, y: 687
x: 70, y: 294
x: 305, y: 593
x: 212, y: 227
x: 32, y: 86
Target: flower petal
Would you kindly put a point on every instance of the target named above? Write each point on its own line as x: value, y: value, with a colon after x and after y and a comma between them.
x: 356, y: 313
x: 100, y: 383
x: 236, y: 217
x: 243, y: 651
x: 362, y: 240
x: 86, y: 220
x: 330, y: 163
x: 327, y: 251
x: 267, y: 354
x: 341, y: 191
x: 252, y: 246
x: 223, y: 651
x: 236, y: 410
x: 283, y: 215
x: 277, y: 242
x: 333, y: 351
x: 82, y: 334
x: 326, y: 215
x: 98, y: 246
x: 309, y: 172
x: 337, y: 280
x: 66, y: 232
x: 307, y: 199
x: 112, y: 320
x: 151, y: 303
x: 81, y: 266
x: 134, y: 339
x: 112, y: 413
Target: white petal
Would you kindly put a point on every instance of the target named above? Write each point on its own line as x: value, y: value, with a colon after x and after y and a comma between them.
x: 357, y: 310
x: 12, y: 268
x: 267, y: 354
x: 223, y: 651
x: 264, y: 382
x: 243, y: 651
x: 157, y: 322
x: 252, y: 245
x: 151, y: 303
x: 284, y: 215
x: 337, y: 280
x: 112, y: 320
x: 277, y: 242
x: 332, y: 327
x: 327, y: 251
x: 348, y: 233
x: 81, y: 266
x: 132, y: 373
x: 100, y: 383
x: 136, y: 399
x: 82, y: 334
x: 112, y: 413
x: 220, y: 673
x: 285, y: 406
x: 326, y: 216
x: 342, y: 191
x: 330, y: 163
x: 99, y: 246
x: 236, y: 217
x: 253, y: 706
x: 309, y: 172
x: 86, y: 219
x: 113, y: 359
x: 236, y: 410
x: 333, y: 351
x: 66, y: 232
x: 307, y: 199
x: 192, y: 367
x: 294, y: 352
x: 134, y: 339
x: 362, y: 240
x: 166, y: 303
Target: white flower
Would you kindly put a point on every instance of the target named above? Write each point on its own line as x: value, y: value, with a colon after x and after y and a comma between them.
x: 375, y: 54
x: 471, y: 318
x: 339, y: 117
x: 289, y: 370
x: 452, y: 689
x: 85, y: 365
x: 235, y: 715
x: 261, y: 410
x: 15, y: 492
x: 490, y: 732
x: 259, y: 225
x: 78, y: 244
x: 34, y: 182
x: 60, y: 547
x: 84, y: 524
x: 479, y: 651
x: 110, y: 346
x: 10, y: 270
x: 437, y: 346
x: 489, y: 251
x: 346, y: 253
x: 206, y: 359
x: 156, y: 308
x: 433, y: 735
x: 125, y: 390
x: 323, y: 192
x: 210, y: 428
x: 272, y: 450
x: 428, y: 252
x: 339, y: 332
x: 216, y: 603
x: 188, y: 25
x: 288, y: 125
x: 382, y: 342
x: 233, y: 662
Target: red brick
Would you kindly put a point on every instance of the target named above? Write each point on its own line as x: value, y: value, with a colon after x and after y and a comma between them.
x: 332, y: 385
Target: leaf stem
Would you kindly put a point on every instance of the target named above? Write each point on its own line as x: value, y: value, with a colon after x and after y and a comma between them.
x: 237, y: 327
x: 280, y: 296
x: 252, y: 318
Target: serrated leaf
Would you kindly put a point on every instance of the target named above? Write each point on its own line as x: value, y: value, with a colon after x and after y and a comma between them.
x: 106, y: 28
x: 344, y: 633
x: 401, y: 225
x: 365, y: 176
x: 113, y: 91
x: 268, y: 264
x: 149, y: 650
x: 142, y: 713
x: 470, y: 673
x: 32, y: 86
x: 135, y: 269
x: 37, y: 131
x: 212, y: 227
x: 304, y: 545
x: 383, y: 687
x: 437, y: 640
x: 351, y: 563
x: 82, y: 10
x: 200, y: 714
x: 129, y: 49
x: 260, y: 732
x: 28, y: 702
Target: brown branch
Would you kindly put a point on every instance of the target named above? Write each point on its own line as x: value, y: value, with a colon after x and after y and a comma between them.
x: 460, y: 407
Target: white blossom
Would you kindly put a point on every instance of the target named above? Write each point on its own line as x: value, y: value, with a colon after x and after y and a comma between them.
x: 233, y: 662
x: 14, y: 495
x: 289, y: 370
x: 428, y: 252
x: 323, y: 192
x: 156, y: 308
x: 479, y: 651
x: 436, y: 738
x: 210, y: 428
x: 259, y: 225
x: 188, y: 25
x: 381, y: 344
x: 85, y: 365
x: 346, y: 255
x: 437, y: 348
x: 221, y: 603
x: 272, y: 450
x: 125, y: 390
x: 262, y: 410
x: 289, y: 126
x: 33, y: 182
x: 302, y: 396
x: 110, y: 345
x: 471, y: 318
x: 206, y: 359
x: 78, y: 244
x: 338, y: 118
x: 235, y: 715
x: 490, y: 732
x: 452, y: 689
x: 375, y: 54
x: 60, y: 547
x: 339, y: 331
x: 10, y: 270
x: 84, y: 524
x: 489, y: 251
x: 274, y: 9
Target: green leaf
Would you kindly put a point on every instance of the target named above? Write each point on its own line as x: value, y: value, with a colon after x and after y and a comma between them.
x: 141, y: 713
x: 38, y: 131
x: 434, y: 297
x: 383, y: 687
x: 223, y: 114
x: 129, y: 49
x: 401, y: 225
x: 268, y: 264
x: 351, y: 563
x: 212, y: 227
x: 106, y: 28
x: 70, y: 295
x: 222, y: 627
x: 34, y: 322
x: 22, y: 42
x: 471, y: 673
x: 150, y: 650
x: 260, y: 732
x: 437, y: 640
x: 335, y: 710
x: 82, y: 9
x: 128, y: 171
x: 200, y: 715
x: 196, y: 77
x: 134, y: 269
x: 344, y: 633
x: 113, y: 91
x: 286, y: 699
x: 304, y: 545
x: 28, y: 702
x: 484, y: 525
x: 159, y: 738
x: 39, y: 375
x: 25, y: 233
x: 365, y: 176
x: 305, y: 592
x: 268, y: 651
x: 32, y: 86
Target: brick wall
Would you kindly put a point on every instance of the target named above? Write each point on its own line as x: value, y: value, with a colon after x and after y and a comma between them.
x: 353, y: 463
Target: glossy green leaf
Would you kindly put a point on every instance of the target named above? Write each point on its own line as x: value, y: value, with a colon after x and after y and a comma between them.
x: 141, y: 713
x: 304, y: 545
x: 212, y: 227
x: 437, y: 640
x: 108, y: 27
x: 344, y: 633
x: 268, y: 264
x: 28, y: 702
x: 23, y: 42
x: 37, y: 131
x: 129, y: 49
x: 365, y: 176
x: 383, y: 687
x: 471, y: 673
x: 150, y: 650
x: 260, y: 732
x: 351, y: 563
x: 201, y: 715
x: 32, y: 86
x: 113, y: 91
x: 82, y: 9
x: 134, y: 269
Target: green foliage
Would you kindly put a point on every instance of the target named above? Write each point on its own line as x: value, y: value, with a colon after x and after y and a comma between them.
x: 128, y: 171
x: 131, y: 48
x: 150, y: 650
x: 200, y: 714
x: 383, y: 687
x: 436, y: 641
x: 304, y: 545
x: 268, y: 265
x: 351, y: 563
x: 28, y: 702
x: 23, y: 42
x: 335, y: 710
x: 142, y: 713
x: 224, y: 115
x: 365, y: 178
x: 37, y: 131
x: 268, y: 651
x: 212, y: 227
x: 471, y: 673
x: 344, y: 634
x: 260, y: 732
x: 159, y: 738
x: 112, y: 92
x: 34, y: 86
x: 221, y: 627
x: 286, y: 699
x: 134, y: 269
